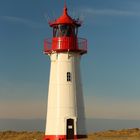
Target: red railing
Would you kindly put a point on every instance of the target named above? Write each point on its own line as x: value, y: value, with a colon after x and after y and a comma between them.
x: 65, y: 44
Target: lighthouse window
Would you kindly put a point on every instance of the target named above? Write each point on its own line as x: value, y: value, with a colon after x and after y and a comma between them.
x: 63, y: 30
x: 56, y: 32
x: 76, y: 31
x: 68, y: 76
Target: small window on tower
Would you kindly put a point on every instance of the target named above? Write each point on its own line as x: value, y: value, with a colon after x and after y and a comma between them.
x: 68, y: 76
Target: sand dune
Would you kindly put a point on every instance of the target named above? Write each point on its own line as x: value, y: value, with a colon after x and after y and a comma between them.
x: 125, y: 134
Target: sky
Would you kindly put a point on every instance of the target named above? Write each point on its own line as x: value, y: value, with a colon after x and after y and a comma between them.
x: 110, y: 69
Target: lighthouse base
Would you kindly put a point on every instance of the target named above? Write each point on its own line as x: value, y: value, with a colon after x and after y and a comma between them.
x: 63, y: 137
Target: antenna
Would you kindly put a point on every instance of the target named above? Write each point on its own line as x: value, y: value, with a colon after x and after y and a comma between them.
x: 65, y: 3
x: 73, y: 13
x: 54, y: 15
x: 47, y: 17
x: 82, y: 16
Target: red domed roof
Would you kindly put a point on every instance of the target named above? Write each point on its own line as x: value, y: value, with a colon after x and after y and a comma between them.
x: 65, y: 19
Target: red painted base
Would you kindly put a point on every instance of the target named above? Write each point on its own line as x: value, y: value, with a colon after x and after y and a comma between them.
x: 63, y: 137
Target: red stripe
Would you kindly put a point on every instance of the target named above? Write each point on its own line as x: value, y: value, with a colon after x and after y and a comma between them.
x: 62, y: 137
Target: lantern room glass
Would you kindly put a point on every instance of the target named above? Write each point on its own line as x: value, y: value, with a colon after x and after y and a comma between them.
x: 65, y: 31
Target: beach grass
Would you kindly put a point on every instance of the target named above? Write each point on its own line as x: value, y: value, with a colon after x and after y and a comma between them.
x: 125, y: 134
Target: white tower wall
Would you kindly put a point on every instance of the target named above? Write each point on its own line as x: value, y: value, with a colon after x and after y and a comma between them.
x: 65, y: 98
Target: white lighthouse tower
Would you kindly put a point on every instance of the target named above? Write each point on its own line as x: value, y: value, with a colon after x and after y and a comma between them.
x: 65, y: 110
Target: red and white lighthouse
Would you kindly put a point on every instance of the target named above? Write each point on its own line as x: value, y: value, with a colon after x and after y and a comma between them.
x: 65, y: 110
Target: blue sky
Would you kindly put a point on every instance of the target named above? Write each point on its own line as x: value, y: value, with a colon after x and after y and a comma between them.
x: 110, y: 70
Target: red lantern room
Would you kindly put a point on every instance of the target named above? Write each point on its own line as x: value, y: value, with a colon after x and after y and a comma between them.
x: 65, y: 31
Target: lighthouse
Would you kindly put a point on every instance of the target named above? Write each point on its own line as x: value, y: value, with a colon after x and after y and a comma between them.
x: 65, y: 108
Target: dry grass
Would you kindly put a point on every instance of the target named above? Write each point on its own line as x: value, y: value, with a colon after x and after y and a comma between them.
x: 118, y: 133
x: 125, y: 134
x: 11, y: 135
